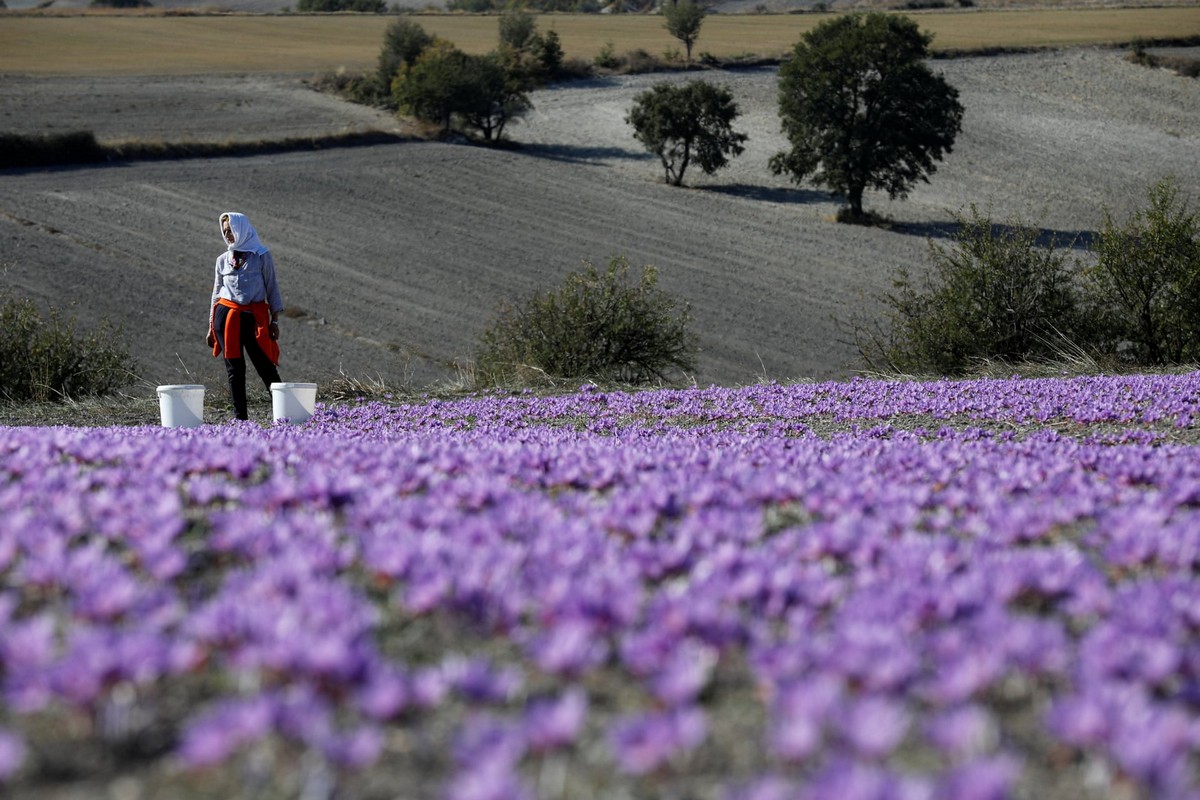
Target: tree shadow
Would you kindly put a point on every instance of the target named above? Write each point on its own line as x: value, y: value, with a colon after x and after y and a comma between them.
x: 770, y: 194
x: 1046, y: 237
x: 577, y: 154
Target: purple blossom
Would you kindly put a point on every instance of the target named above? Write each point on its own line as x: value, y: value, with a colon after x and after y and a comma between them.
x: 990, y: 778
x: 486, y: 738
x: 642, y: 744
x: 853, y: 780
x: 877, y: 583
x: 570, y: 647
x: 354, y: 749
x: 873, y: 726
x: 550, y: 723
x: 385, y: 694
x: 685, y: 674
x: 962, y: 732
x: 800, y: 715
x: 12, y: 754
x: 488, y: 780
x: 222, y: 731
x: 478, y: 681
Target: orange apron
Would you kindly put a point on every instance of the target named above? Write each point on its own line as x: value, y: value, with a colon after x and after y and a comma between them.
x: 233, y: 329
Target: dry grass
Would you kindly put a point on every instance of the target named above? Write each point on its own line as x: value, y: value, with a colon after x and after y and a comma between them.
x: 163, y: 44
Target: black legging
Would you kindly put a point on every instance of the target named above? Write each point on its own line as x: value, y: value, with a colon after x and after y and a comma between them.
x: 235, y: 368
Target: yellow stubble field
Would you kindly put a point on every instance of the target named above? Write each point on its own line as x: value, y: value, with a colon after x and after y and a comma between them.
x: 163, y: 44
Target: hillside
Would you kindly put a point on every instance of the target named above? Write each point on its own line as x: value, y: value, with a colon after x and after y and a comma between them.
x: 393, y: 258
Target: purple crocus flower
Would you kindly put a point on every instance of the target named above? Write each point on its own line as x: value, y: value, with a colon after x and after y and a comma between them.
x: 486, y: 737
x: 873, y: 726
x: 569, y: 648
x: 644, y: 743
x: 218, y: 734
x: 962, y: 732
x: 478, y: 681
x: 12, y: 754
x: 555, y: 722
x: 385, y: 694
x: 354, y: 749
x: 800, y: 713
x: 990, y: 778
x: 852, y: 780
x: 685, y: 674
x: 488, y: 780
x: 1079, y: 720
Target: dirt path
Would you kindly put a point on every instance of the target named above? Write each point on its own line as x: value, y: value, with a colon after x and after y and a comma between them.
x: 393, y: 258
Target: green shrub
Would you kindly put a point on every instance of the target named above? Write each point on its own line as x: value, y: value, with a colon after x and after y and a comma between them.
x: 43, y: 359
x: 608, y: 325
x: 995, y: 293
x: 607, y: 57
x: 1146, y: 281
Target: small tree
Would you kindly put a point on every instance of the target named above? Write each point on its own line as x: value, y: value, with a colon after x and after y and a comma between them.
x: 1146, y: 279
x: 445, y: 83
x: 862, y: 110
x: 682, y: 123
x: 491, y: 96
x: 531, y: 57
x: 683, y: 19
x: 996, y: 292
x: 606, y: 325
x: 518, y: 29
x: 432, y: 87
x: 549, y: 53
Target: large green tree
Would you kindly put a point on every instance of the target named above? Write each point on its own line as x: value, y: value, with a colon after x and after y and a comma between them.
x: 685, y: 123
x: 862, y: 110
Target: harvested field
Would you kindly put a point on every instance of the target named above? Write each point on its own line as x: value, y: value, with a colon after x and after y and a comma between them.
x: 393, y: 258
x: 238, y: 44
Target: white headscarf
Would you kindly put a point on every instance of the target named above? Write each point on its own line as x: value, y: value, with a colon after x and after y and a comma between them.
x: 245, y: 238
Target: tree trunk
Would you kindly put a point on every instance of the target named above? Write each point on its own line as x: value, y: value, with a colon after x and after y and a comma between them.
x: 855, y: 197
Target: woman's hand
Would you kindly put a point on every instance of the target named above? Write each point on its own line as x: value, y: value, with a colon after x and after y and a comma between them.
x: 273, y: 329
x: 210, y: 339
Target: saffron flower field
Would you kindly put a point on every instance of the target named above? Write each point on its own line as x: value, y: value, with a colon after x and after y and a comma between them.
x: 838, y: 591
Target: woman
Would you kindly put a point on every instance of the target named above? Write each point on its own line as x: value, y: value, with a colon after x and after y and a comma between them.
x: 245, y: 308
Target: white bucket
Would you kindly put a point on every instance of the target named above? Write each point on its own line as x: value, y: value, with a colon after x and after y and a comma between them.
x: 293, y: 401
x: 181, y: 405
